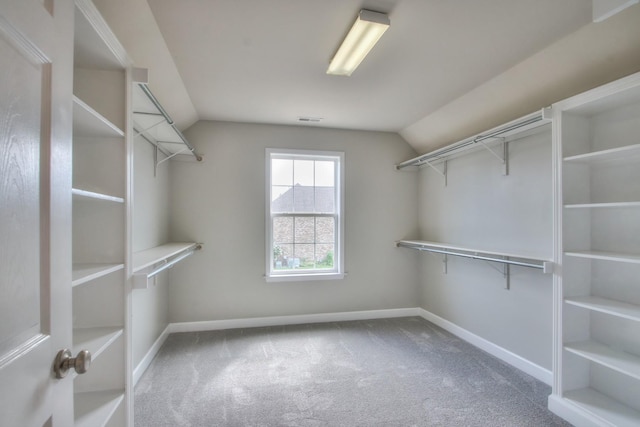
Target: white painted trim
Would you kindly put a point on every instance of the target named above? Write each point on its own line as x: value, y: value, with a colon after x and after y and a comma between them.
x: 505, y: 355
x: 148, y: 358
x: 572, y: 413
x: 291, y: 320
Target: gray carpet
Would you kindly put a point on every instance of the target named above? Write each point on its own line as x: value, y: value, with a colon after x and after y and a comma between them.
x: 390, y: 372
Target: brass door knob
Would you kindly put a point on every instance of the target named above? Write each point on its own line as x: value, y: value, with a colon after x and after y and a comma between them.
x: 64, y: 362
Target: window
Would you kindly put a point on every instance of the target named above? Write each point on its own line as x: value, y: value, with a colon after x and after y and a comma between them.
x: 304, y: 215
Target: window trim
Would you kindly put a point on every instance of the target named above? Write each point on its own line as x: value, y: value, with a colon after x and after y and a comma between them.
x: 301, y: 275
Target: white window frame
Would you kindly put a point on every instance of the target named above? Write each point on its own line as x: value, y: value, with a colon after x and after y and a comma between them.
x: 337, y: 273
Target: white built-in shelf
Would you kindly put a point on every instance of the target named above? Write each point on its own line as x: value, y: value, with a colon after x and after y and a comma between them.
x: 609, y: 411
x: 95, y: 408
x: 502, y: 257
x: 87, y: 122
x: 83, y: 273
x: 81, y: 195
x: 607, y: 256
x: 623, y: 153
x: 617, y: 360
x: 604, y: 205
x: 149, y: 257
x: 96, y: 340
x: 607, y: 306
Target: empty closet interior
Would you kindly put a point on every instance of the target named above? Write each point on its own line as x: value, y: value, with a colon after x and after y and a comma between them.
x: 522, y: 239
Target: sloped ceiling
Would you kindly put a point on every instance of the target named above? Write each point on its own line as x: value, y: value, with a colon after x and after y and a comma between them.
x: 443, y: 71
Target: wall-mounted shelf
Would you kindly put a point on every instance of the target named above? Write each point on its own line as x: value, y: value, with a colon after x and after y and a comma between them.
x: 626, y: 153
x: 96, y: 340
x: 609, y: 357
x: 607, y: 256
x: 507, y: 259
x: 150, y: 262
x: 153, y: 123
x: 607, y: 306
x: 95, y: 408
x: 83, y: 273
x: 90, y: 195
x: 606, y: 410
x: 502, y: 135
x: 87, y: 122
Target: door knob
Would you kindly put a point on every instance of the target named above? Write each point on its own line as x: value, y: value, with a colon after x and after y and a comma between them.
x: 64, y: 362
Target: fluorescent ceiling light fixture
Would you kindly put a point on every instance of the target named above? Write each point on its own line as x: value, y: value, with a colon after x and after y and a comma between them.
x: 364, y: 34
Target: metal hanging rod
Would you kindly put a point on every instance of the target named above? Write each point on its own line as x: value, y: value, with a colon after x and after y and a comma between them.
x: 531, y: 121
x: 156, y: 103
x: 141, y: 279
x: 503, y: 258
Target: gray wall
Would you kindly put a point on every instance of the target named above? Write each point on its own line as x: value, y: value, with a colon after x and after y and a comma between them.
x: 481, y: 208
x: 221, y: 202
x: 150, y: 228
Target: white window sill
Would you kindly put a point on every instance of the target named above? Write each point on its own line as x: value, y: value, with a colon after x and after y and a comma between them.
x: 303, y: 277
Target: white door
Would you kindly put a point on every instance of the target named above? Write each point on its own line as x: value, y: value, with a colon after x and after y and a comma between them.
x: 36, y: 48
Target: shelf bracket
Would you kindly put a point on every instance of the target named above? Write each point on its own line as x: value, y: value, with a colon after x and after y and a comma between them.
x: 504, y: 158
x: 442, y: 173
x: 505, y: 271
x: 445, y: 260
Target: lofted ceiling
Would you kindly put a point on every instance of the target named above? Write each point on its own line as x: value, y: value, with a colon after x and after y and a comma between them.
x: 265, y: 61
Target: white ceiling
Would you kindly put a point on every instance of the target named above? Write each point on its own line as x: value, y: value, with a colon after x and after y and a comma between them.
x: 444, y: 71
x: 265, y: 60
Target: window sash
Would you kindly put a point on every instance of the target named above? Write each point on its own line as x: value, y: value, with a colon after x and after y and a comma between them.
x: 307, y: 273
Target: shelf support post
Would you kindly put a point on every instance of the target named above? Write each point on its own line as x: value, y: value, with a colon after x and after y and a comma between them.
x: 445, y: 260
x: 507, y: 276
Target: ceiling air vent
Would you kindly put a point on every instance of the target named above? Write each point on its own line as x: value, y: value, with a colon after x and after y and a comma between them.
x: 310, y: 119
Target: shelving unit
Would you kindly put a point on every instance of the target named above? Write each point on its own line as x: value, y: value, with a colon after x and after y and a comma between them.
x: 597, y: 288
x: 100, y: 221
x: 505, y: 258
x: 500, y: 135
x: 153, y: 123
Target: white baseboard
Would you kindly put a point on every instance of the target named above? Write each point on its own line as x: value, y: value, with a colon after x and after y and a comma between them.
x: 146, y: 360
x: 536, y: 371
x: 291, y: 320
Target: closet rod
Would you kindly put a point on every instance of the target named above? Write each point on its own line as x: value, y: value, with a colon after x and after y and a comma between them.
x: 441, y: 153
x: 157, y: 104
x: 485, y: 256
x: 171, y: 263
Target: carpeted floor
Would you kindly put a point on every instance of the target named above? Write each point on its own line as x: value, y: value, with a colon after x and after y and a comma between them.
x: 390, y: 372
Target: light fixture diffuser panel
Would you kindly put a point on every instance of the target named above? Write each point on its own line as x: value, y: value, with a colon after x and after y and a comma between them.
x: 364, y: 34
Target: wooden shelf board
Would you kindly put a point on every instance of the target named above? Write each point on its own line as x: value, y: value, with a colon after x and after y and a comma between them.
x: 622, y: 153
x: 603, y: 205
x: 83, y: 273
x: 79, y: 194
x: 149, y: 257
x: 95, y: 408
x: 607, y: 306
x: 604, y: 407
x: 96, y: 340
x: 607, y: 256
x: 87, y: 122
x: 617, y: 360
x: 471, y: 250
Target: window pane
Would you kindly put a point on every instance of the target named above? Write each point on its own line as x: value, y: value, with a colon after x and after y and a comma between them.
x: 325, y: 200
x: 281, y: 256
x: 282, y: 230
x: 325, y: 230
x: 325, y: 174
x: 303, y: 172
x: 281, y: 172
x: 324, y: 256
x: 303, y: 198
x: 305, y: 230
x: 305, y: 254
x: 281, y: 199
